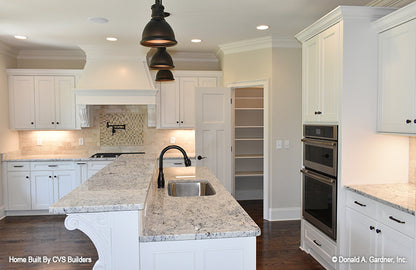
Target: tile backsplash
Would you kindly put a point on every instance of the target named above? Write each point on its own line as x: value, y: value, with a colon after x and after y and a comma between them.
x: 122, y: 129
x: 143, y: 138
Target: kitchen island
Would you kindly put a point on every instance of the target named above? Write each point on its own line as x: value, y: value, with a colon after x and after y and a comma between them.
x: 128, y: 219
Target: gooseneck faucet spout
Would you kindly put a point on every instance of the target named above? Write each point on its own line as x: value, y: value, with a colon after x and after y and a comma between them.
x: 161, y: 177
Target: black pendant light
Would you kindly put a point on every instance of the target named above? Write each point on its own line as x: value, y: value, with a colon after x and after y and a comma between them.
x: 157, y: 32
x: 161, y: 59
x: 164, y: 75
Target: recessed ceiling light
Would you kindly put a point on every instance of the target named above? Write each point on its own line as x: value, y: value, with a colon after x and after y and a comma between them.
x: 196, y: 40
x: 20, y: 37
x: 98, y: 20
x: 111, y: 38
x: 262, y: 27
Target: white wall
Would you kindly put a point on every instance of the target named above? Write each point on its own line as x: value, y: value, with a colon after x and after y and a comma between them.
x: 282, y: 67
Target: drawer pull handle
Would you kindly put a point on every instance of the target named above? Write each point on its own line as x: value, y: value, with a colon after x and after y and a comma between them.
x: 81, y: 163
x: 52, y: 166
x: 18, y: 166
x: 316, y: 243
x: 378, y: 231
x: 395, y: 219
x: 360, y: 204
x: 177, y: 163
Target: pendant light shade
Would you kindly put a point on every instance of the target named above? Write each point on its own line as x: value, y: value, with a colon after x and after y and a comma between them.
x: 164, y: 75
x: 161, y: 59
x: 157, y: 32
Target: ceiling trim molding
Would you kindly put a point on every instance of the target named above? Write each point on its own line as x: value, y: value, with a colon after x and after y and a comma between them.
x: 342, y: 13
x: 395, y: 18
x: 8, y: 51
x: 389, y: 3
x: 194, y: 57
x: 52, y: 54
x: 246, y: 45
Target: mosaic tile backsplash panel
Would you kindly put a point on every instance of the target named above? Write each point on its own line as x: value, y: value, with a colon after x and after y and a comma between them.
x: 132, y: 134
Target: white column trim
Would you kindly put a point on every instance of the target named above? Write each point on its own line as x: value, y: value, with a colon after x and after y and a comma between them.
x: 288, y: 213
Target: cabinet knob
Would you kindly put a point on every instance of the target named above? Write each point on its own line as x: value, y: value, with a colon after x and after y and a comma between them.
x: 50, y: 176
x: 408, y: 121
x: 414, y: 121
x: 181, y: 122
x: 54, y: 176
x: 27, y: 177
x: 372, y: 228
x: 57, y: 123
x: 53, y: 123
x: 378, y: 231
x: 177, y: 122
x: 318, y: 112
x: 32, y: 123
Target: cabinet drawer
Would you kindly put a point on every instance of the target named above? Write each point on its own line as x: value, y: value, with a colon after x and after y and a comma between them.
x: 53, y: 165
x: 98, y: 165
x: 319, y: 243
x: 397, y: 219
x: 18, y: 166
x: 361, y: 204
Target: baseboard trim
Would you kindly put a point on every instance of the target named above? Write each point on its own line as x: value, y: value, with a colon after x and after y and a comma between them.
x: 280, y: 214
x: 2, y: 212
x: 27, y: 213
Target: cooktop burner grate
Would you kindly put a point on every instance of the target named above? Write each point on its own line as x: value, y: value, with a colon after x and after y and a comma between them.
x: 113, y: 155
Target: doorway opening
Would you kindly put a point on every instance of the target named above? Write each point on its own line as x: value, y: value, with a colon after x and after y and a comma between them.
x: 250, y: 139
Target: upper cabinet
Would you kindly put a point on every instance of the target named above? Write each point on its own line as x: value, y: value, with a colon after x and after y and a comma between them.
x: 321, y: 76
x: 176, y: 99
x: 42, y: 100
x: 397, y: 69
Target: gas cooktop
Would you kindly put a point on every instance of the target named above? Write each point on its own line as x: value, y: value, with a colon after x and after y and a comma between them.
x: 113, y: 155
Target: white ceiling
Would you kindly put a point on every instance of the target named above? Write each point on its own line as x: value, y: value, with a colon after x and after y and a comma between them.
x: 63, y: 24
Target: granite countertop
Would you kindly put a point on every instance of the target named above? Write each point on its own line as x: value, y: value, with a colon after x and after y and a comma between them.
x: 120, y: 186
x: 20, y: 158
x: 191, y: 218
x: 399, y: 196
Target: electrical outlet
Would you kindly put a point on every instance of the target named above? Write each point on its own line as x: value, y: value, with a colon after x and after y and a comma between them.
x: 172, y: 140
x: 287, y: 144
x: 39, y: 141
x: 81, y: 141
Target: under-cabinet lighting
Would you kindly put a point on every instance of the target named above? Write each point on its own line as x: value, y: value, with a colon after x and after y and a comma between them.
x: 20, y: 37
x: 196, y: 40
x: 111, y: 38
x: 262, y: 27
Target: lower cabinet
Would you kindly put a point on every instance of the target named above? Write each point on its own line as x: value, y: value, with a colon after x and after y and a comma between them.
x: 18, y: 184
x: 211, y: 254
x: 384, y: 233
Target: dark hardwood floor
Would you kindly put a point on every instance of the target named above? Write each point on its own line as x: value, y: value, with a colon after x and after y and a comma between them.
x: 277, y: 247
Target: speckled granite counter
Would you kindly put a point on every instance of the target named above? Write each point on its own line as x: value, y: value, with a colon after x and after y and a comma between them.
x: 399, y: 196
x: 19, y: 158
x: 190, y: 218
x: 120, y: 186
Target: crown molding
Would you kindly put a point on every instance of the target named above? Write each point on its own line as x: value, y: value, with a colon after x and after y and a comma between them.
x: 395, y: 18
x: 343, y: 13
x: 8, y: 51
x: 389, y: 3
x: 52, y: 54
x: 194, y: 57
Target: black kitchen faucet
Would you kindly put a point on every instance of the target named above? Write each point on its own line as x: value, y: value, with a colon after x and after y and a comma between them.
x: 161, y: 177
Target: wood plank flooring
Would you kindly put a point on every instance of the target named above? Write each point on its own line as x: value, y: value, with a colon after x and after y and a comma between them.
x: 277, y: 247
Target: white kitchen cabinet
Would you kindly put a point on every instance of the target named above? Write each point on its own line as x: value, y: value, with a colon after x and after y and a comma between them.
x: 18, y: 197
x: 81, y: 171
x: 42, y: 189
x: 374, y: 230
x: 397, y: 85
x: 321, y: 69
x: 176, y: 99
x: 44, y: 100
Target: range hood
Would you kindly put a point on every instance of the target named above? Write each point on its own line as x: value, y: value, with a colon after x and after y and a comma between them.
x: 115, y: 75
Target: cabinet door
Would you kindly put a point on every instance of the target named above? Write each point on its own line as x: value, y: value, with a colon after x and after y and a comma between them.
x: 169, y: 102
x: 45, y: 102
x: 42, y: 189
x: 396, y: 96
x: 360, y: 238
x: 18, y: 191
x: 330, y: 55
x: 22, y: 102
x: 81, y: 172
x: 65, y: 102
x: 207, y: 82
x: 393, y: 244
x: 311, y: 93
x: 187, y: 87
x: 63, y: 183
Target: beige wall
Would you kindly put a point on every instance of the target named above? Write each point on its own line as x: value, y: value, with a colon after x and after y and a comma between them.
x: 50, y: 64
x: 283, y: 68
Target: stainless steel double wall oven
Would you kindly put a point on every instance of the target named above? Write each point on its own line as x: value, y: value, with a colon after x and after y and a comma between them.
x: 320, y: 162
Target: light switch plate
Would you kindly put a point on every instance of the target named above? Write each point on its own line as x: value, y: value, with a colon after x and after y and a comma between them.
x: 278, y: 144
x: 287, y: 144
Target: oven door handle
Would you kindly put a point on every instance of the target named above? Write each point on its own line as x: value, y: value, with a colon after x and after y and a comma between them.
x: 324, y: 179
x: 318, y: 143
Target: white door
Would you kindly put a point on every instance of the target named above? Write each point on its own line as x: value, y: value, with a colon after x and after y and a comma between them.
x: 65, y: 102
x: 45, y: 102
x: 42, y: 189
x: 63, y: 183
x: 18, y: 188
x: 23, y: 102
x: 213, y: 132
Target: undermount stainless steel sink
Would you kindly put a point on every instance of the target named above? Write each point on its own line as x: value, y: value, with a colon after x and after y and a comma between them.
x: 186, y: 188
